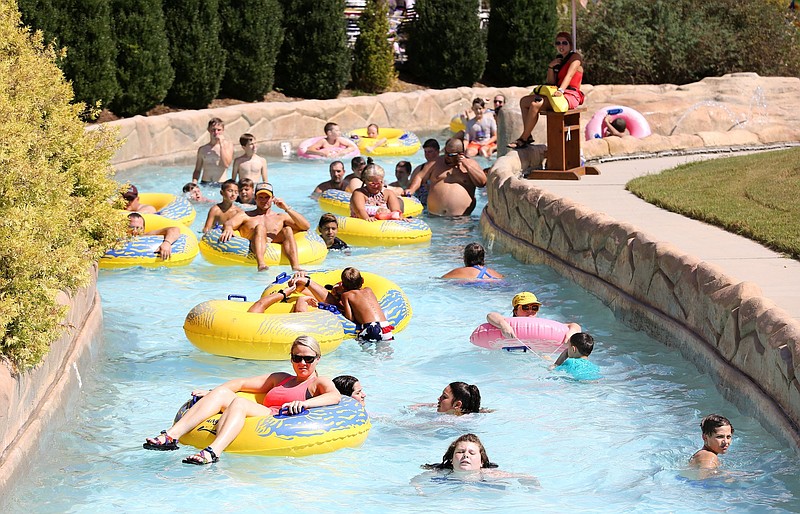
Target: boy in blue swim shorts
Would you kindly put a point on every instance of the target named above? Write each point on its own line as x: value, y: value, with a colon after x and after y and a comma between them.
x: 359, y: 305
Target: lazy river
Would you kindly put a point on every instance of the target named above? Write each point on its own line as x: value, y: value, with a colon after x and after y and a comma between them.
x: 616, y: 444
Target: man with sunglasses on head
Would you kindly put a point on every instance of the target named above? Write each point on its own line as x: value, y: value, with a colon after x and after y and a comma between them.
x: 453, y: 178
x: 524, y: 304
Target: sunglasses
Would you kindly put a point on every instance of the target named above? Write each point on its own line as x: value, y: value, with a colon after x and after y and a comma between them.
x: 454, y: 154
x: 499, y: 102
x: 561, y: 43
x: 530, y: 307
x: 308, y: 359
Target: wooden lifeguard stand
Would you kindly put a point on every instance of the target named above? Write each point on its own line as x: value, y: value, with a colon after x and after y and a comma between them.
x: 563, y: 147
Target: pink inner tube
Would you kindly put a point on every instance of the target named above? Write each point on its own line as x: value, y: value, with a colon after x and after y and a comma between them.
x: 637, y: 124
x: 539, y: 334
x: 301, y: 150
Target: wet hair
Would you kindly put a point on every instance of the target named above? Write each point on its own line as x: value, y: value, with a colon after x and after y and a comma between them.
x: 372, y: 170
x: 246, y: 138
x: 447, y: 458
x: 712, y: 422
x: 135, y: 215
x: 215, y: 121
x: 357, y: 161
x: 405, y: 165
x: 189, y: 186
x: 468, y: 395
x: 246, y: 182
x: 327, y: 218
x: 431, y: 143
x: 308, y: 342
x: 377, y: 128
x: 229, y: 182
x: 352, y: 279
x: 345, y: 383
x: 329, y: 126
x: 330, y: 168
x: 474, y: 255
x: 479, y: 101
x: 620, y: 124
x: 582, y: 342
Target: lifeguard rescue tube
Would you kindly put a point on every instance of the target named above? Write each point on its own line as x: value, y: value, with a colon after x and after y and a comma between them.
x: 637, y: 124
x: 398, y: 142
x: 336, y: 201
x: 457, y: 124
x: 558, y: 103
x: 539, y: 334
x: 315, y: 430
x: 224, y: 327
x: 170, y: 206
x: 310, y: 249
x: 391, y: 298
x: 141, y: 250
x: 358, y: 232
x: 301, y: 150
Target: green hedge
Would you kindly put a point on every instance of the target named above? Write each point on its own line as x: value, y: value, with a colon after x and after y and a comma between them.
x: 55, y: 217
x: 373, y: 56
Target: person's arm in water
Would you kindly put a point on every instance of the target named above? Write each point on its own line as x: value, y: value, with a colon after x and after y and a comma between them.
x: 171, y: 234
x: 497, y: 320
x: 420, y: 179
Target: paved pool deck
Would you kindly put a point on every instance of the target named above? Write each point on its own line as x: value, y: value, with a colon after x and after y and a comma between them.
x: 777, y: 276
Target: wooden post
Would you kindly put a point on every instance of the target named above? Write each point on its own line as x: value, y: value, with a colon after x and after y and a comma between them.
x: 563, y: 147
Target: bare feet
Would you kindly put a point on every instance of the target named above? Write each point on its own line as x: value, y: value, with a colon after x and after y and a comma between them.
x: 262, y: 267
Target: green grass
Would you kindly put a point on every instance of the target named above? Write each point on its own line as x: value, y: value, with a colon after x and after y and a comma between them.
x: 756, y: 196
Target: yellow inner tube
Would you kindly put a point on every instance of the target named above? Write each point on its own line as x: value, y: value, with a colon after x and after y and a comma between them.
x: 336, y: 201
x: 398, y: 142
x: 140, y: 250
x: 224, y: 327
x: 318, y: 430
x: 310, y: 249
x: 170, y: 206
x: 358, y: 232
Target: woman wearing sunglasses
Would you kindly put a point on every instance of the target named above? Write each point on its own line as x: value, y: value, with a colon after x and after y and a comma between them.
x: 304, y: 389
x: 524, y: 304
x: 566, y: 72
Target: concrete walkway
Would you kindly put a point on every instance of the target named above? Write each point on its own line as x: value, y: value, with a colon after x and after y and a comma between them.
x: 745, y: 260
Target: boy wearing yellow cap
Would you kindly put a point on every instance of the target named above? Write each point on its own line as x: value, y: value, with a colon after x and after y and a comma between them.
x: 524, y: 304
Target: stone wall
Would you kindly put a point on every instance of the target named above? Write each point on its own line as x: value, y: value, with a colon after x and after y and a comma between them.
x: 32, y: 402
x: 727, y: 328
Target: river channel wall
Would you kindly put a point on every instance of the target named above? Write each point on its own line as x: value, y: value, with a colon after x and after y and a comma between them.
x: 728, y: 329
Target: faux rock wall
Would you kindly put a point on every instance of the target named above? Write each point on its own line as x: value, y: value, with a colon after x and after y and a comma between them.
x: 749, y: 345
x: 31, y: 401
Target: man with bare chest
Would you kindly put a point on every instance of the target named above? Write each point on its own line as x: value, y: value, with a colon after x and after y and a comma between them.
x: 453, y: 178
x: 214, y: 157
x: 263, y: 226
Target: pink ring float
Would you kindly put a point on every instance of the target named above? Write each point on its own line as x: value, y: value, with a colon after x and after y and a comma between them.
x: 637, y: 124
x: 539, y: 334
x: 301, y: 150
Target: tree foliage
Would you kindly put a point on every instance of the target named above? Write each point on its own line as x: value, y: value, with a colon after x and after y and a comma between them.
x: 197, y: 56
x: 314, y: 59
x: 252, y: 36
x: 83, y: 28
x: 55, y: 218
x: 144, y: 72
x: 519, y: 42
x: 373, y: 56
x: 445, y: 45
x: 680, y: 41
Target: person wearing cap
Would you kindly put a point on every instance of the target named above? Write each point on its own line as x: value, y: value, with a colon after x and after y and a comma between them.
x: 214, y: 157
x: 524, y: 304
x: 263, y: 226
x: 131, y: 196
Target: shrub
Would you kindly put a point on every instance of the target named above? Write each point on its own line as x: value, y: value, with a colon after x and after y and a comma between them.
x: 83, y: 28
x: 55, y: 218
x: 445, y: 46
x: 519, y: 42
x: 680, y: 41
x: 252, y: 37
x: 195, y: 51
x: 144, y: 72
x: 314, y: 59
x: 373, y: 58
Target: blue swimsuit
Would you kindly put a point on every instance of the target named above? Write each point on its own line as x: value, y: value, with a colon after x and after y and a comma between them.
x: 482, y: 273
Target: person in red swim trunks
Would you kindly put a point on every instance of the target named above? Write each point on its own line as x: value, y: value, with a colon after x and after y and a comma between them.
x: 304, y: 389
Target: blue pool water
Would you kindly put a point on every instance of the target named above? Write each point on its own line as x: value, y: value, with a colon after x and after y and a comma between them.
x: 616, y: 444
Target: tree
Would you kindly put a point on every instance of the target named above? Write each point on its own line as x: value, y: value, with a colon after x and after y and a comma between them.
x: 373, y: 58
x: 445, y: 45
x: 83, y: 28
x: 519, y: 42
x: 252, y: 35
x: 314, y: 59
x: 195, y: 51
x: 55, y: 217
x: 144, y: 72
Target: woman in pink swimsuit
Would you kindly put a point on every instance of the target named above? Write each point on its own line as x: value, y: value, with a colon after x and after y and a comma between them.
x: 304, y: 389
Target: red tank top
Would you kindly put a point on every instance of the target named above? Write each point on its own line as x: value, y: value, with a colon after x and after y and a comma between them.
x: 575, y: 81
x: 279, y: 394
